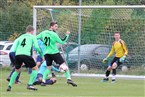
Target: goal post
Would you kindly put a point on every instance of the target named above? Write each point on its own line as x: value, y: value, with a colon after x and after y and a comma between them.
x: 92, y: 31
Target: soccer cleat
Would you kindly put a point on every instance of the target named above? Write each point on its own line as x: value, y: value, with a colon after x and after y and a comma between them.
x: 8, y: 79
x: 113, y: 81
x: 18, y: 82
x: 105, y: 80
x: 71, y: 82
x: 9, y: 88
x: 30, y: 87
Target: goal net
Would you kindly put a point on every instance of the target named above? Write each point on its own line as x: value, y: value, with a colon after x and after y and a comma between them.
x: 92, y: 29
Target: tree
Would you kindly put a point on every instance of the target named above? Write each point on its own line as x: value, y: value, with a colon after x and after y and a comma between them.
x: 15, y: 18
x: 3, y: 4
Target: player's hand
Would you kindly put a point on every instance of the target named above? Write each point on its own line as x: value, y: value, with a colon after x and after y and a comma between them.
x: 68, y: 32
x: 105, y: 60
x: 122, y: 59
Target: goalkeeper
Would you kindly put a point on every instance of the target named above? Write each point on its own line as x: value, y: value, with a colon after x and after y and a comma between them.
x: 120, y: 48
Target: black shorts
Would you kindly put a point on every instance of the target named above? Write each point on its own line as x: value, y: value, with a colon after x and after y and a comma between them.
x: 57, y: 58
x: 116, y: 59
x: 27, y: 60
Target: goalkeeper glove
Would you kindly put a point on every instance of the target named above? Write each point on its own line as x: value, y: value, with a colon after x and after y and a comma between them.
x: 122, y: 59
x: 105, y: 59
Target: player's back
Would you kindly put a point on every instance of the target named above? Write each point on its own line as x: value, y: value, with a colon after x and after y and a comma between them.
x: 24, y: 45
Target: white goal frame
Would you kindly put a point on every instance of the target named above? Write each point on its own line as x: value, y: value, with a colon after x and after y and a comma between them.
x: 79, y: 21
x: 78, y: 7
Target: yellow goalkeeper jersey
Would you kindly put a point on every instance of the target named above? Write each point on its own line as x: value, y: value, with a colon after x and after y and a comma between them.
x: 118, y: 47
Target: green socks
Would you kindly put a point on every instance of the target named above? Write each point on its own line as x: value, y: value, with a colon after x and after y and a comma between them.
x: 46, y: 73
x: 33, y: 76
x: 67, y: 74
x: 13, y: 77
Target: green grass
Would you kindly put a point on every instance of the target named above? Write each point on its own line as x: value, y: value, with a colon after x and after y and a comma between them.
x: 87, y: 87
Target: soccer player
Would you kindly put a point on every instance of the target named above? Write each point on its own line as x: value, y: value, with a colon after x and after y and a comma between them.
x: 51, y: 53
x: 12, y: 59
x: 120, y: 48
x: 41, y: 70
x: 39, y: 61
x: 23, y: 55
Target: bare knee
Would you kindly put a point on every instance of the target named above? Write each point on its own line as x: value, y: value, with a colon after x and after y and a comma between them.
x: 114, y: 66
x: 109, y: 68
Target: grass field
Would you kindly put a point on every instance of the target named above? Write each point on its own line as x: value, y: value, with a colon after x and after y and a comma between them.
x: 87, y: 87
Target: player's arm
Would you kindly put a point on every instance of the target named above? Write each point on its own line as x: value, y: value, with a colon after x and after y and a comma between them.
x: 37, y: 47
x: 15, y: 45
x: 125, y: 48
x: 62, y: 41
x: 110, y: 54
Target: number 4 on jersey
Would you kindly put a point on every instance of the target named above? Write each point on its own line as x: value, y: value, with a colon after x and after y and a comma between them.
x: 23, y: 42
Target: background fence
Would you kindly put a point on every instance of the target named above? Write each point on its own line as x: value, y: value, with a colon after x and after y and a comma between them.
x: 97, y: 29
x: 98, y: 26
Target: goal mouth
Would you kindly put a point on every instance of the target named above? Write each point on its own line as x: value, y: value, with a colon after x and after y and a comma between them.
x: 92, y: 29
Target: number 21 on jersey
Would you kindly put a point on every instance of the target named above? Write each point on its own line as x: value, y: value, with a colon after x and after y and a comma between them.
x: 47, y: 41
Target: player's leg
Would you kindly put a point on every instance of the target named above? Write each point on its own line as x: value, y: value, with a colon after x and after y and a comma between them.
x: 109, y: 70
x: 18, y: 64
x: 12, y: 79
x: 38, y: 79
x: 106, y: 78
x: 45, y: 75
x: 13, y: 70
x: 12, y: 59
x: 29, y: 62
x: 38, y: 61
x: 17, y: 78
x: 59, y: 60
x: 114, y: 66
x: 41, y: 70
x: 51, y: 81
x: 48, y: 69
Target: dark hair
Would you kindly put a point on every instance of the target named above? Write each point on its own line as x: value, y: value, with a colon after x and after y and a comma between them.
x: 116, y: 32
x: 53, y: 23
x: 29, y: 28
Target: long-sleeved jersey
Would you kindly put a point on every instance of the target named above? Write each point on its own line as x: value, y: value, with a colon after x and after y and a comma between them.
x: 50, y: 38
x: 118, y: 47
x: 24, y: 45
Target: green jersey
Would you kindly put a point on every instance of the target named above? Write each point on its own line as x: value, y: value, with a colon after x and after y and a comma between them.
x: 50, y: 38
x: 25, y: 43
